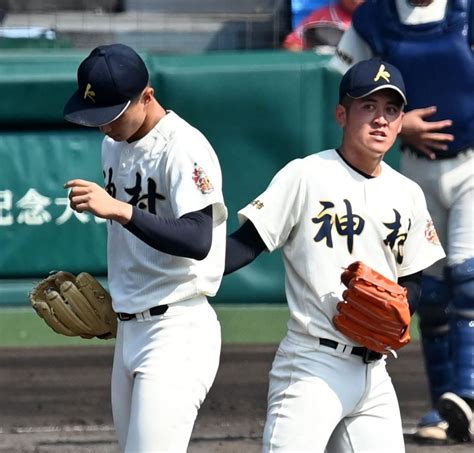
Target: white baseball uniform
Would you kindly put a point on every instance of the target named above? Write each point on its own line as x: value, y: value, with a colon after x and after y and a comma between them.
x: 163, y: 365
x: 324, y: 215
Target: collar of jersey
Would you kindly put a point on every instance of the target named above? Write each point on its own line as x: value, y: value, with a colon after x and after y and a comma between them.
x: 365, y: 175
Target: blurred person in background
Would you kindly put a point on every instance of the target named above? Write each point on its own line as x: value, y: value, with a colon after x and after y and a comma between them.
x: 430, y: 41
x: 336, y: 15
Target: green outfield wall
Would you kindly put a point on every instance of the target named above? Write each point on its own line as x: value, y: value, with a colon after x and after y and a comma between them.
x: 258, y: 109
x: 240, y: 324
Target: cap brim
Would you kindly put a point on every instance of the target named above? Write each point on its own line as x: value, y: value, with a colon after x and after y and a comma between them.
x: 357, y: 94
x: 79, y: 112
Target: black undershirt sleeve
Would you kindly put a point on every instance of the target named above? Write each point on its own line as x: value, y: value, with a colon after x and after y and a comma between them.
x: 190, y: 236
x: 413, y: 285
x: 242, y: 247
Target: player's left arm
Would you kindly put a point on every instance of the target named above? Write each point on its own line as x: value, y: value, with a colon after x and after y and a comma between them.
x: 412, y: 283
x: 193, y: 179
x: 189, y: 236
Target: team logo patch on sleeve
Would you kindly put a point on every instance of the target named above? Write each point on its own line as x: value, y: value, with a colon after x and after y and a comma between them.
x: 430, y: 233
x: 257, y: 204
x: 201, y: 179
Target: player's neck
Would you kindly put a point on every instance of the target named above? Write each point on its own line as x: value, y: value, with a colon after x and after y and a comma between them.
x: 155, y: 113
x: 362, y: 161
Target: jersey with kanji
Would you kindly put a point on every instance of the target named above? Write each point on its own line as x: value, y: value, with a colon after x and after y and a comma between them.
x: 170, y: 172
x: 325, y: 215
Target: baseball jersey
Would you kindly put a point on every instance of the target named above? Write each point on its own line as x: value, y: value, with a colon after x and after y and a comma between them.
x: 324, y: 215
x: 170, y: 172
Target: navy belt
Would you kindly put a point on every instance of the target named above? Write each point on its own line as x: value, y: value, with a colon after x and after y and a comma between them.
x: 367, y: 355
x: 154, y: 311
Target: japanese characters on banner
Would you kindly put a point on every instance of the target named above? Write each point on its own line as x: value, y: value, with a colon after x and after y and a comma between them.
x: 36, y: 208
x: 39, y: 231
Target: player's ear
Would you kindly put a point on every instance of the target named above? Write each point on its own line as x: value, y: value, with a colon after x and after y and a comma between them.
x: 341, y: 115
x: 147, y: 95
x: 401, y: 122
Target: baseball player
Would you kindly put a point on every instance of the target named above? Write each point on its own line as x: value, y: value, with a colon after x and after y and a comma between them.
x: 431, y: 41
x: 326, y: 392
x: 166, y: 244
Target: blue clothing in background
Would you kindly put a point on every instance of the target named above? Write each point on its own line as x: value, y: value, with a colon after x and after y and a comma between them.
x: 301, y: 8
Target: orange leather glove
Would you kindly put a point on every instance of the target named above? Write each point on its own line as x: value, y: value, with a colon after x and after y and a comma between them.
x: 375, y: 311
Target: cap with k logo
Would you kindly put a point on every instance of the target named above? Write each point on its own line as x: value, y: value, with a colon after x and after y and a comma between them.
x: 369, y: 76
x: 108, y: 80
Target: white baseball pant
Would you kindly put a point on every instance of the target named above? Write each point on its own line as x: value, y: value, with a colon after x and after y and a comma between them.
x: 324, y: 400
x: 163, y: 369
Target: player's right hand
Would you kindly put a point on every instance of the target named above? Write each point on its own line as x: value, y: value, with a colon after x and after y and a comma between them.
x: 424, y: 135
x: 90, y: 197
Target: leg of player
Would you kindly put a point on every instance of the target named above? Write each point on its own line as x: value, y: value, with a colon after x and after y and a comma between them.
x: 434, y: 328
x: 457, y: 406
x: 172, y: 361
x: 380, y: 413
x: 435, y: 298
x: 327, y: 400
x: 121, y: 390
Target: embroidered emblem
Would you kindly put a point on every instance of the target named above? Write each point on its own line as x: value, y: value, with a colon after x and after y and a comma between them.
x: 201, y: 180
x: 382, y: 73
x: 430, y: 233
x: 89, y: 93
x: 257, y: 204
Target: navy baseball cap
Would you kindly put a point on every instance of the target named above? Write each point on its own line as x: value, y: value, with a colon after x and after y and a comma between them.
x: 369, y: 76
x: 108, y: 80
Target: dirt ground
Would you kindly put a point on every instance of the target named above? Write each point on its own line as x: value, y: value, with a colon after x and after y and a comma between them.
x: 56, y: 400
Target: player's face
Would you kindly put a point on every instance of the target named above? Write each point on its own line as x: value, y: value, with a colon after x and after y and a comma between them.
x: 371, y: 124
x: 129, y: 126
